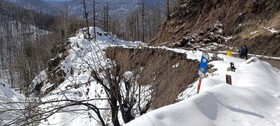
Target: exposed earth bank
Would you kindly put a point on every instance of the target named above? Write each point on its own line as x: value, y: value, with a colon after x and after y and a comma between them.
x: 255, y: 23
x: 169, y: 72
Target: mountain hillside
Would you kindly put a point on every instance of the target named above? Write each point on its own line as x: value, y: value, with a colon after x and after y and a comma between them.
x: 22, y: 34
x: 252, y: 22
x: 116, y: 7
x: 97, y: 79
x: 39, y: 6
x: 10, y: 11
x: 112, y: 82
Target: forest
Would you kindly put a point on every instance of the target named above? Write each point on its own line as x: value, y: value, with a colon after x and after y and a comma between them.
x: 30, y: 37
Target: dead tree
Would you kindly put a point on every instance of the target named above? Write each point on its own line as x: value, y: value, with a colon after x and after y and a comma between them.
x: 121, y: 93
x: 106, y: 16
x: 30, y: 112
x: 94, y: 19
x: 167, y: 8
x: 143, y: 19
x: 86, y: 16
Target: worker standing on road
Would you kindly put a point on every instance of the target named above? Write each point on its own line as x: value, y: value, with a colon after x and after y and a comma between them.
x: 240, y: 52
x: 245, y: 52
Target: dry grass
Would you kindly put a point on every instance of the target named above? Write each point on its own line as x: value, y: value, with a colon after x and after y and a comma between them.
x: 275, y: 21
x: 254, y: 28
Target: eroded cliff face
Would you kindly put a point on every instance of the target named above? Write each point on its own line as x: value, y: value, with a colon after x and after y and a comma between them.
x: 250, y: 22
x: 169, y: 73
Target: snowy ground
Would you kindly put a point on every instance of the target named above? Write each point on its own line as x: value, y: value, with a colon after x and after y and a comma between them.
x: 253, y: 99
x: 10, y: 107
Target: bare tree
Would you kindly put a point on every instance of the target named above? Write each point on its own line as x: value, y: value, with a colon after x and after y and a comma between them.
x: 106, y: 16
x: 86, y: 16
x: 167, y: 8
x: 143, y: 19
x: 94, y: 19
x: 65, y: 18
x: 121, y: 92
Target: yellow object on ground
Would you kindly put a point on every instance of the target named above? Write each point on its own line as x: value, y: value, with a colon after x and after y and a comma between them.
x: 229, y: 53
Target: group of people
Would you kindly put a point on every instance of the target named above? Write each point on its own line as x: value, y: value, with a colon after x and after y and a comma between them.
x: 243, y: 52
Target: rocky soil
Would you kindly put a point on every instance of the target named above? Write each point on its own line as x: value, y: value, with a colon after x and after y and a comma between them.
x: 255, y: 23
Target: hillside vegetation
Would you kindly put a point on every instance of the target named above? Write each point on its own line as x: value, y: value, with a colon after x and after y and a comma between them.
x: 255, y: 23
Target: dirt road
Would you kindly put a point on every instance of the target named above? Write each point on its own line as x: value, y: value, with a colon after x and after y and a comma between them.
x: 273, y: 62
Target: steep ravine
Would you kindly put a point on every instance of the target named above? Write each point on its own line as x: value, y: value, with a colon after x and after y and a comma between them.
x: 168, y: 72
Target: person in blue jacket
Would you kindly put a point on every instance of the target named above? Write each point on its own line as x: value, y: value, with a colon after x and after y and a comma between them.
x: 244, y: 51
x: 239, y: 52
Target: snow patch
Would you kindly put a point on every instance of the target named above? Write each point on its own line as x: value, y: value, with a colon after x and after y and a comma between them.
x: 254, y: 32
x: 272, y: 30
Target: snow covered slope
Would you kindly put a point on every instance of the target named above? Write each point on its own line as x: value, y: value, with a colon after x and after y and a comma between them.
x: 253, y: 99
x: 10, y: 107
x: 83, y: 57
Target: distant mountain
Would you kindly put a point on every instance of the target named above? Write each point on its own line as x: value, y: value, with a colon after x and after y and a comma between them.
x: 53, y: 6
x: 37, y: 5
x: 116, y: 6
x: 12, y: 11
x: 56, y: 2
